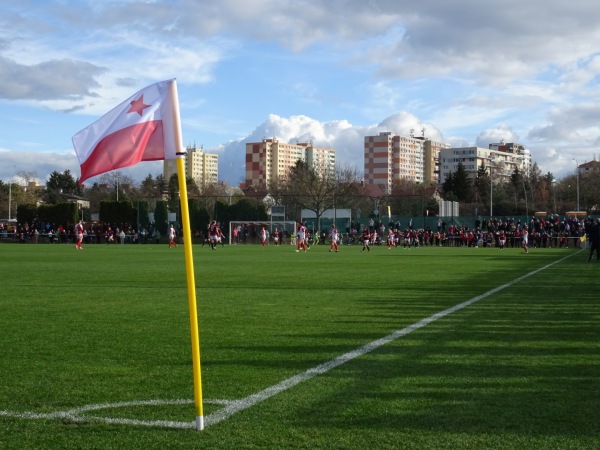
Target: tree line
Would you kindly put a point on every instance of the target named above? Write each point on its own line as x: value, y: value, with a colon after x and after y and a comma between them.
x: 522, y: 193
x: 118, y: 199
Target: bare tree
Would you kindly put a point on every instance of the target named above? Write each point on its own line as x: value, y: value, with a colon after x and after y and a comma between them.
x: 306, y: 188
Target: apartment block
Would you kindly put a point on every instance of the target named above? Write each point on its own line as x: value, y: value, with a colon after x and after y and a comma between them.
x: 502, y: 162
x: 590, y: 167
x: 202, y: 167
x: 389, y: 157
x: 270, y: 161
x: 517, y: 149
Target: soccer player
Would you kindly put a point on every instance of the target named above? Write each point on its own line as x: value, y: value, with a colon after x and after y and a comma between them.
x: 301, y: 238
x: 374, y: 237
x: 263, y: 237
x: 407, y: 238
x: 366, y: 238
x: 391, y: 238
x: 79, y: 235
x: 213, y: 234
x: 110, y: 236
x: 525, y: 239
x: 594, y: 238
x: 334, y: 239
x: 501, y: 239
x: 172, y: 235
x: 220, y: 237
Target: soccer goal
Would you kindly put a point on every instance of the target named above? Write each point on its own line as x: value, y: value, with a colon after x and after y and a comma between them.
x: 248, y: 231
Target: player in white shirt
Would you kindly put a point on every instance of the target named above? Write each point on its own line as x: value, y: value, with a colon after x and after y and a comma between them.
x: 334, y: 239
x: 301, y: 238
x: 391, y: 238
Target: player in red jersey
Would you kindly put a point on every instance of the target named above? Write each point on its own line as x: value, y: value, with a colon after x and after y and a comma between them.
x: 366, y: 238
x: 213, y: 234
x: 501, y: 239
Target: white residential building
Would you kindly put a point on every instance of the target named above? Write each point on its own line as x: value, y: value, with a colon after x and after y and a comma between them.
x: 501, y: 162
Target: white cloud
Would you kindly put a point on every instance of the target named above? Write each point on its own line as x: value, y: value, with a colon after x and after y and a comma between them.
x: 41, y: 163
x: 502, y: 133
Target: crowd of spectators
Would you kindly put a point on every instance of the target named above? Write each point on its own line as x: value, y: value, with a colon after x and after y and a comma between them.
x: 552, y: 232
x: 93, y: 233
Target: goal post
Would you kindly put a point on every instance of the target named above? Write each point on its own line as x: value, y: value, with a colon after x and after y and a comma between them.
x: 248, y: 231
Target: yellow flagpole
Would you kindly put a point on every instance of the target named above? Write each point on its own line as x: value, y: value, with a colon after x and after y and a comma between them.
x: 189, y: 264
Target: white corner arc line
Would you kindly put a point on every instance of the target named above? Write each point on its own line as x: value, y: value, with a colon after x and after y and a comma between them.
x: 251, y: 400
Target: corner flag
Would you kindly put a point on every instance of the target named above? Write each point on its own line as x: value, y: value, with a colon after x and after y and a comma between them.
x: 146, y: 127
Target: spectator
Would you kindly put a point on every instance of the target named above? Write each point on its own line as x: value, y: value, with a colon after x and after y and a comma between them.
x: 594, y: 238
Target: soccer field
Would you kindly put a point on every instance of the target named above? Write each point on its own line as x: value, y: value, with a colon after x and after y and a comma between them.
x: 422, y: 348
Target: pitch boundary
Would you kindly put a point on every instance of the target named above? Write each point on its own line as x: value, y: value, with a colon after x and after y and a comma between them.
x: 231, y: 407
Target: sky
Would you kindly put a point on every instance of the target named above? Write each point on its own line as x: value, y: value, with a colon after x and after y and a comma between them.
x: 465, y: 72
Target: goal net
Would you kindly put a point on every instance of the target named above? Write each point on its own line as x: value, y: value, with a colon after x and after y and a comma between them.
x: 248, y: 231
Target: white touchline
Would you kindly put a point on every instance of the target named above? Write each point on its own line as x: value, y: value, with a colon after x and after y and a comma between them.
x: 234, y: 406
x: 251, y: 400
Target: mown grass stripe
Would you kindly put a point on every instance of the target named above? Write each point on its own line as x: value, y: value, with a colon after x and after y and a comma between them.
x: 247, y: 402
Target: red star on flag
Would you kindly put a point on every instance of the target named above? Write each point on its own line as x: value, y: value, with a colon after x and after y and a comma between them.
x: 138, y: 106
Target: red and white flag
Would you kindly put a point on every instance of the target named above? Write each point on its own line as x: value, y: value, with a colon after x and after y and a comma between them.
x: 145, y: 127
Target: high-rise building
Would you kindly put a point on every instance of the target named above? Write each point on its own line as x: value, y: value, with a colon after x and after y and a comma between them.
x: 389, y: 157
x: 590, y: 167
x: 270, y: 161
x: 202, y: 167
x: 502, y: 163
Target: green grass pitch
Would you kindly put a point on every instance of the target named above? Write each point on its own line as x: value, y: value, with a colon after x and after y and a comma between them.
x: 103, y: 333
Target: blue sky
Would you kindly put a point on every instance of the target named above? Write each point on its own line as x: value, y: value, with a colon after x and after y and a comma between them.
x: 467, y: 71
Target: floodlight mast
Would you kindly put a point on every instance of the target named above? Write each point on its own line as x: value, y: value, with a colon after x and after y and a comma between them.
x: 577, y: 163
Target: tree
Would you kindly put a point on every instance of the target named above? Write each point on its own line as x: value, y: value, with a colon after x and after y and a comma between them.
x: 142, y: 215
x: 482, y: 185
x: 118, y: 213
x: 517, y: 186
x: 247, y: 209
x: 28, y: 196
x: 98, y: 193
x: 458, y: 185
x: 59, y: 214
x: 545, y: 191
x: 121, y: 184
x: 26, y: 213
x: 161, y: 216
x: 150, y: 187
x: 589, y: 186
x: 199, y: 217
x: 173, y: 190
x: 61, y: 184
x: 534, y: 177
x: 413, y: 199
x: 192, y: 187
x: 4, y: 189
x: 306, y: 188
